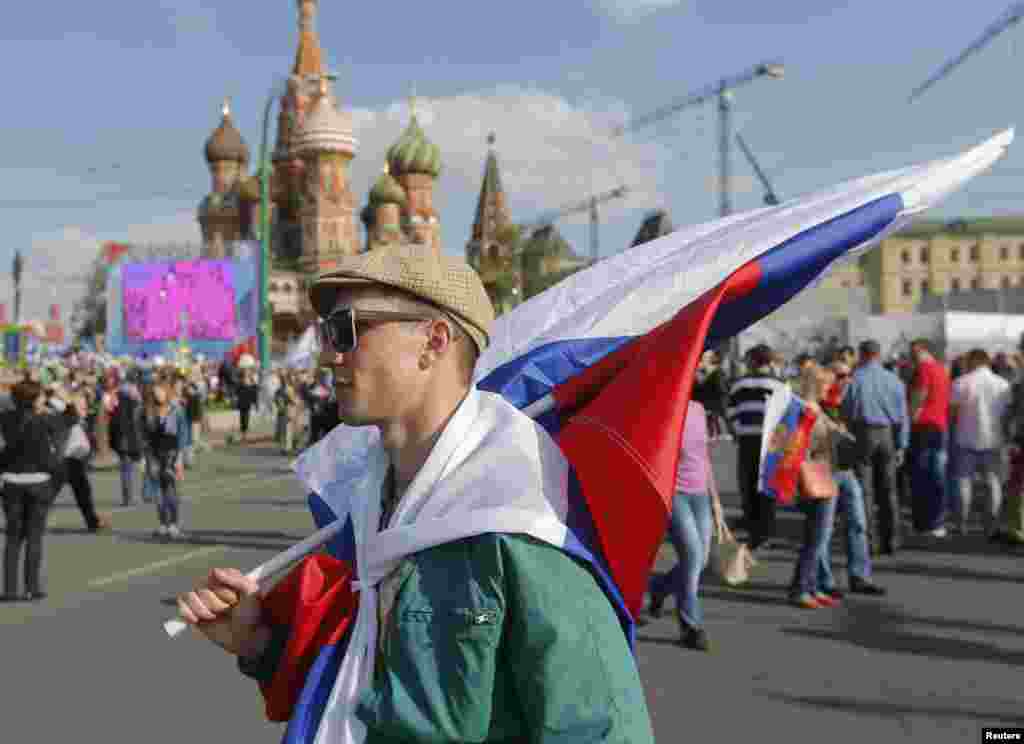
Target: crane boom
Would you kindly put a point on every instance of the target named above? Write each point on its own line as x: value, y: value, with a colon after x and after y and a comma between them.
x: 1012, y: 16
x: 771, y: 69
x: 770, y: 197
x: 580, y: 206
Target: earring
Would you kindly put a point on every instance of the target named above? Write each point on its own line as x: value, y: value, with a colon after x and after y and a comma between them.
x: 424, y: 361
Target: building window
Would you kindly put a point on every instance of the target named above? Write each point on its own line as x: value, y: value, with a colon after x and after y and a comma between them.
x: 907, y: 291
x: 1020, y: 251
x: 975, y: 283
x: 925, y: 287
x: 1007, y: 283
x: 956, y: 285
x: 924, y: 254
x: 905, y: 256
x: 955, y: 256
x: 1004, y: 253
x: 975, y: 252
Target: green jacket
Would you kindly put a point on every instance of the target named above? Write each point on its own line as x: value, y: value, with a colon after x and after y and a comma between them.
x: 498, y: 638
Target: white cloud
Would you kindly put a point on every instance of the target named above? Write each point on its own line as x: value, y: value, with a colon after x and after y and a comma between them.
x: 629, y: 10
x: 551, y: 152
x: 57, y: 262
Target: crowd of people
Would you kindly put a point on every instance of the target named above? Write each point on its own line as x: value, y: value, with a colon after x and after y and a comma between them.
x: 908, y: 432
x: 57, y: 418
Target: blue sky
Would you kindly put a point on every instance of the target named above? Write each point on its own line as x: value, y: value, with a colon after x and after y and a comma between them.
x: 108, y: 106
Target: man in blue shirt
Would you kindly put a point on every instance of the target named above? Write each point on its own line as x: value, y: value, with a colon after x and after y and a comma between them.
x: 876, y: 407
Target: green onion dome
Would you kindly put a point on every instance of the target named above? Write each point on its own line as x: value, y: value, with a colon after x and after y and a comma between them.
x: 414, y: 153
x: 387, y: 191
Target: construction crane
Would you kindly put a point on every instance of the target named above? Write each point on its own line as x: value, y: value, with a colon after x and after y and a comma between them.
x: 1009, y: 18
x: 770, y: 197
x: 721, y: 91
x: 589, y: 204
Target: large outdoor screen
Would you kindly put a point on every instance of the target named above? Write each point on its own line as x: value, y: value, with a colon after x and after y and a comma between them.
x: 161, y: 297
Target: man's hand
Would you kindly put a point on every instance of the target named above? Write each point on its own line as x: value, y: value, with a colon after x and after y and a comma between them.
x: 226, y: 608
x: 898, y: 458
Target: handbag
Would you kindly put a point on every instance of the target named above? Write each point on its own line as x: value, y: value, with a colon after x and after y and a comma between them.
x: 816, y: 482
x: 733, y: 559
x: 78, y: 446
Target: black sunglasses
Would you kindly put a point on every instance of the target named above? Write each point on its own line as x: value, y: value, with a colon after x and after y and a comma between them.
x: 338, y: 329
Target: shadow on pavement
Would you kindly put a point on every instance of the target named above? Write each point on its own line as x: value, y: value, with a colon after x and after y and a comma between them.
x: 878, y: 628
x: 915, y: 568
x: 755, y: 592
x: 276, y: 541
x: 897, y: 710
x: 284, y: 502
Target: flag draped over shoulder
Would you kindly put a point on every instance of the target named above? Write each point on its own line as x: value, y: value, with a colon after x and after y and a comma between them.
x: 788, y: 422
x: 605, y: 362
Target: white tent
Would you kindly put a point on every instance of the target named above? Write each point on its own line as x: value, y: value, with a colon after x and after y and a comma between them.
x: 953, y: 333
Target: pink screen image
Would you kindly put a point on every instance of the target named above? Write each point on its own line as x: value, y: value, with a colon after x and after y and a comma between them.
x: 158, y: 297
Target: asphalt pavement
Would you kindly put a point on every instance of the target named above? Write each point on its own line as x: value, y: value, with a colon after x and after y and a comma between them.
x: 935, y: 660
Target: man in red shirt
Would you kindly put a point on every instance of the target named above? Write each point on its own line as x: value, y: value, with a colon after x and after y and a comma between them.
x: 929, y: 416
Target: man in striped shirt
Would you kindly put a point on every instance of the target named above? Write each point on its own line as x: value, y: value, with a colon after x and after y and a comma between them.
x: 747, y: 400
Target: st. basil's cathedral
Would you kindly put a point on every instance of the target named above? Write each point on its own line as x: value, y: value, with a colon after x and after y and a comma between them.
x: 313, y: 212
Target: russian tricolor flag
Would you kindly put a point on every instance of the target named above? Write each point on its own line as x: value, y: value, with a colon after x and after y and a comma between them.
x: 605, y: 361
x: 788, y: 422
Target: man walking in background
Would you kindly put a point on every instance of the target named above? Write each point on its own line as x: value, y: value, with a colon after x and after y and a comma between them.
x: 875, y: 405
x: 979, y: 400
x: 929, y: 414
x: 747, y: 400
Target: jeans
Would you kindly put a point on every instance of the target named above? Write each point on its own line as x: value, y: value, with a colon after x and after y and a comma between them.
x: 150, y: 482
x: 167, y: 485
x: 928, y: 479
x: 877, y: 475
x: 25, y: 510
x: 690, y: 532
x: 129, y: 470
x: 850, y: 503
x: 971, y: 464
x: 819, y: 515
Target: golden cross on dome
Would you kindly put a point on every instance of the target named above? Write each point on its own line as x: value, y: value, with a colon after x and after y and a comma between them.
x: 491, y: 139
x: 412, y: 101
x: 225, y: 109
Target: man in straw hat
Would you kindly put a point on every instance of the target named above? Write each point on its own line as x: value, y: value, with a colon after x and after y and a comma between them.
x: 472, y: 624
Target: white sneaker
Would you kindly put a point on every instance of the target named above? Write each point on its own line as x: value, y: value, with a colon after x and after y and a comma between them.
x: 939, y: 532
x: 161, y: 532
x: 175, y: 533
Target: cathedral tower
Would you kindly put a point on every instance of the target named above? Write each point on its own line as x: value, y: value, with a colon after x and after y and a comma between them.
x: 383, y: 214
x: 326, y: 145
x: 415, y: 162
x: 492, y: 218
x: 227, y: 156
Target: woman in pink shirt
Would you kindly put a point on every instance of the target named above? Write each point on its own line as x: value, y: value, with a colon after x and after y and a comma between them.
x: 690, y: 531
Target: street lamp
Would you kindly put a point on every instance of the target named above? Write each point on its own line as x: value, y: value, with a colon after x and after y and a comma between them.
x: 265, y: 318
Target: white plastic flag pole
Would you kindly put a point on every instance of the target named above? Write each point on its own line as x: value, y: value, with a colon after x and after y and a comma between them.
x: 278, y: 563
